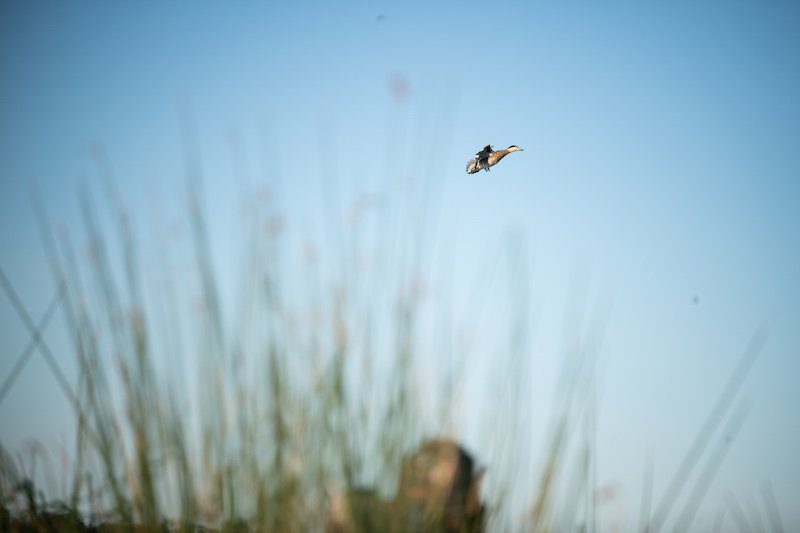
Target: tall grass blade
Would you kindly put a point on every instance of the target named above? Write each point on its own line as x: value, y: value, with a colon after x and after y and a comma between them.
x: 707, y: 431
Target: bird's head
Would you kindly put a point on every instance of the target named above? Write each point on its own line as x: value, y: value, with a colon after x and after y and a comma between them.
x: 514, y: 148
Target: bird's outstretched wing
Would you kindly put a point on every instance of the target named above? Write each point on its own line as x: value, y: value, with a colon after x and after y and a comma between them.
x: 483, y: 154
x: 481, y: 160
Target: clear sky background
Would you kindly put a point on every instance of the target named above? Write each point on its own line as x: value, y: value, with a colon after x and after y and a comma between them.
x: 662, y: 158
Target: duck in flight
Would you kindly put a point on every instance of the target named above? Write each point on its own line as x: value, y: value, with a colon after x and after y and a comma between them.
x: 488, y: 157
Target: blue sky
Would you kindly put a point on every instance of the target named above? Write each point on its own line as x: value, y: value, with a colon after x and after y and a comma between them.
x: 661, y: 157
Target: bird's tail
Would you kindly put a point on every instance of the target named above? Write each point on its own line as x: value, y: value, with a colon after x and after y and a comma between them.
x: 472, y: 166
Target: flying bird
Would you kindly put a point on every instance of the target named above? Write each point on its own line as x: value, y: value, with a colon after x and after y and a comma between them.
x: 488, y: 157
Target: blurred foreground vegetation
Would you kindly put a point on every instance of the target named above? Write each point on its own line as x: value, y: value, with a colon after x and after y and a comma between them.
x: 301, y: 407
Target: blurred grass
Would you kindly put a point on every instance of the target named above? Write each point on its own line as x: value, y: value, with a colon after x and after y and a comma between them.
x: 298, y: 397
x: 275, y: 423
